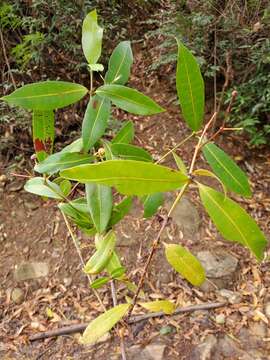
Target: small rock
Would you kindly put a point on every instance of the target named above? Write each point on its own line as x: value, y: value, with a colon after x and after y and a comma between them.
x: 258, y: 329
x: 204, y: 351
x: 232, y: 296
x: 220, y: 319
x: 150, y: 352
x: 267, y: 310
x: 185, y: 215
x: 67, y: 281
x: 17, y: 296
x: 31, y: 205
x: 15, y: 187
x: 229, y: 348
x: 31, y: 270
x: 3, y: 180
x: 217, y: 265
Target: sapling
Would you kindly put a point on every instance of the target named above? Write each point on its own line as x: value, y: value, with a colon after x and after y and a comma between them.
x: 102, y: 165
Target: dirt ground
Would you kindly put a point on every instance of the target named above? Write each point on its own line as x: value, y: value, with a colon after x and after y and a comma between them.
x: 33, y: 230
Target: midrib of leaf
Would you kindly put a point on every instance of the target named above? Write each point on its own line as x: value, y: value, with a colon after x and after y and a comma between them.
x: 230, y: 219
x: 132, y: 178
x: 70, y: 161
x: 48, y: 95
x: 223, y: 166
x: 132, y: 156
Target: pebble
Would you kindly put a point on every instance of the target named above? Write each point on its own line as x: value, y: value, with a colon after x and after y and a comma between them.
x: 17, y: 296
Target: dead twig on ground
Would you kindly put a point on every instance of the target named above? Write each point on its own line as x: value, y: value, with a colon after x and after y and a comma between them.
x: 67, y: 330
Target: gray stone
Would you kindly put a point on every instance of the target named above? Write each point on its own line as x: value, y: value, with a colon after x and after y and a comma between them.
x: 31, y: 270
x: 17, y: 296
x: 205, y: 350
x: 233, y: 297
x: 150, y: 352
x: 185, y: 215
x: 229, y: 348
x: 218, y: 264
x: 220, y: 319
x: 258, y: 329
x: 31, y: 205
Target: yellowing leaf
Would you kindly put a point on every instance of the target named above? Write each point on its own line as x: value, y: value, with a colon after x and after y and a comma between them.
x: 91, y: 38
x: 103, y: 323
x: 185, y: 263
x: 160, y: 305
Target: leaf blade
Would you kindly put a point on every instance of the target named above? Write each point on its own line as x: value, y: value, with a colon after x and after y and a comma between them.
x: 130, y: 152
x: 159, y: 305
x: 119, y: 64
x: 95, y: 121
x: 60, y: 161
x: 185, y: 263
x: 103, y: 323
x: 46, y: 95
x: 190, y: 87
x: 91, y: 37
x: 125, y: 134
x: 128, y: 176
x: 232, y: 221
x: 227, y: 170
x: 151, y: 203
x: 39, y: 186
x: 43, y: 133
x: 129, y: 99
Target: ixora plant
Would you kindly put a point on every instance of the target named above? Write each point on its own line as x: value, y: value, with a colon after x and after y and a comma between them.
x: 101, y: 165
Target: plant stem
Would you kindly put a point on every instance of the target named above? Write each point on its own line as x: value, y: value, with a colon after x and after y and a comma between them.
x: 198, y: 146
x: 122, y: 343
x: 166, y: 219
x: 6, y: 59
x: 76, y: 244
x: 175, y: 147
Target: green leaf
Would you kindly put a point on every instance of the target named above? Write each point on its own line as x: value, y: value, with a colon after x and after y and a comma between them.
x: 43, y: 133
x: 226, y: 169
x: 95, y: 121
x: 185, y: 263
x: 190, y: 88
x: 99, y: 200
x: 180, y: 164
x: 159, y: 305
x: 120, y: 211
x: 107, y: 148
x: 101, y: 257
x: 129, y: 99
x: 77, y: 210
x: 46, y: 95
x: 128, y: 176
x: 130, y: 152
x: 96, y: 284
x: 60, y: 161
x: 42, y: 187
x: 91, y: 38
x: 118, y: 273
x: 232, y: 221
x: 207, y: 173
x: 103, y: 323
x: 151, y: 203
x: 125, y: 134
x: 75, y: 146
x: 65, y: 186
x: 119, y: 64
x: 114, y: 262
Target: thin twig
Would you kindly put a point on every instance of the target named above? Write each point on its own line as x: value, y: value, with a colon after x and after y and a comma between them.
x: 122, y: 343
x: 6, y: 59
x: 175, y: 147
x: 75, y: 241
x: 71, y: 329
x: 166, y: 219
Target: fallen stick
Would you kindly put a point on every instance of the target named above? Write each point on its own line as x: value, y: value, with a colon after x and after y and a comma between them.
x: 71, y: 329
